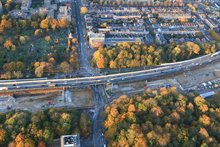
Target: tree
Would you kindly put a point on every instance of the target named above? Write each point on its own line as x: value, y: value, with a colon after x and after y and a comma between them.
x: 83, y: 10
x: 1, y: 28
x: 3, y: 136
x: 12, y: 144
x: 203, y: 133
x: 113, y: 64
x: 193, y: 48
x: 199, y: 101
x: 214, y: 35
x: 158, y: 119
x: 43, y: 126
x: 39, y: 71
x: 6, y: 23
x: 22, y: 39
x: 17, y: 74
x: 41, y: 144
x: 65, y: 67
x: 54, y: 24
x: 34, y: 24
x: 9, y: 45
x: 37, y: 32
x: 13, y: 66
x: 47, y: 38
x: 23, y: 23
x: 63, y: 23
x: 85, y: 124
x: 205, y: 120
x: 44, y: 24
x: 114, y: 111
x: 131, y: 108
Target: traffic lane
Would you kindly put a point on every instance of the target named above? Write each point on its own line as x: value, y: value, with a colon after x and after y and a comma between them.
x: 102, y: 78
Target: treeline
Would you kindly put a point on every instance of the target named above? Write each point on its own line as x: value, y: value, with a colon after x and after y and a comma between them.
x: 25, y: 129
x: 162, y: 117
x: 125, y: 55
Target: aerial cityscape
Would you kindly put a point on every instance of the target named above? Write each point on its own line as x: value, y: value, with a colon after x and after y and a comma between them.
x: 109, y: 73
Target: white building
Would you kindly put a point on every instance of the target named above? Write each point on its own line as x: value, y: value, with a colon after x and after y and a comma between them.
x: 70, y: 141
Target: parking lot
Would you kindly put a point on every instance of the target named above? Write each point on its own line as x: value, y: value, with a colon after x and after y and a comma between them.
x: 196, y: 78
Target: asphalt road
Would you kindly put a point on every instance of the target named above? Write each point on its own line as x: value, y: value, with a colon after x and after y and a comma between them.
x: 84, y: 60
x: 86, y: 70
x: 164, y: 69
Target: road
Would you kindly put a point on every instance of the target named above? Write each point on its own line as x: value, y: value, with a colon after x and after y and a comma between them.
x: 163, y: 69
x: 82, y: 48
x: 86, y: 70
x: 98, y: 138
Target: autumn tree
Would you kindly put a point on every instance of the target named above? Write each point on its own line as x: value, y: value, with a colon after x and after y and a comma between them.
x: 214, y: 35
x: 44, y: 24
x: 159, y: 118
x: 63, y: 23
x: 83, y: 10
x: 9, y: 45
x: 85, y: 124
x: 65, y: 67
x: 40, y: 68
x: 54, y: 24
x: 3, y: 136
x: 37, y: 32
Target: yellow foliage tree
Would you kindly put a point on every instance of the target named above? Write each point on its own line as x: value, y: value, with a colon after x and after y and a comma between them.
x: 83, y: 10
x: 44, y: 24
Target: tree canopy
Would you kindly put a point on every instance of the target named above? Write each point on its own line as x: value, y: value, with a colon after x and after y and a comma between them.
x: 22, y: 128
x: 162, y: 117
x: 125, y: 55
